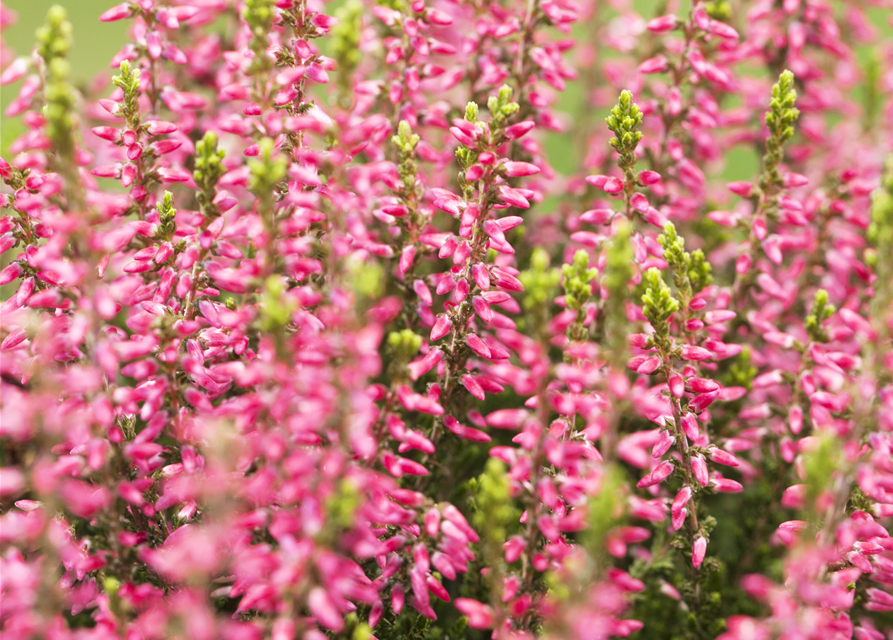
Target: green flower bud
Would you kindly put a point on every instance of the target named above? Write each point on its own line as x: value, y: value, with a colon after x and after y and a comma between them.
x: 779, y: 120
x: 821, y: 311
x: 405, y: 343
x: 658, y: 303
x: 471, y: 112
x: 495, y: 514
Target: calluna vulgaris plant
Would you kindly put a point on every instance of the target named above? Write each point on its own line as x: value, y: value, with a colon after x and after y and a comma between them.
x: 304, y: 337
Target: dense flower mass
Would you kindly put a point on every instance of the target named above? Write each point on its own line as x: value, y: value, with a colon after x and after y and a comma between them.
x: 304, y: 337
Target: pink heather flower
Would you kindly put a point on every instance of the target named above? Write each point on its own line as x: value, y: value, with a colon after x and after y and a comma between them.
x: 693, y: 352
x: 480, y: 616
x: 677, y: 385
x: 660, y: 473
x: 118, y: 12
x: 516, y: 169
x: 519, y: 129
x: 657, y: 64
x: 662, y: 24
x: 724, y: 485
x: 699, y: 550
x: 722, y: 457
x: 699, y: 468
x: 597, y: 216
x: 681, y: 499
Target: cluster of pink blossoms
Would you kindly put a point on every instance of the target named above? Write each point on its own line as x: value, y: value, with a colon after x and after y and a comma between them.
x: 284, y: 353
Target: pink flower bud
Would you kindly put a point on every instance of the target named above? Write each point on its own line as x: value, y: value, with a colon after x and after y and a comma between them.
x: 442, y: 327
x: 466, y: 433
x: 657, y: 64
x: 662, y: 445
x: 724, y: 485
x: 678, y: 518
x: 720, y: 315
x: 794, y: 497
x: 647, y: 177
x: 15, y: 71
x: 690, y: 426
x: 505, y: 280
x: 660, y: 473
x: 481, y: 276
x: 118, y: 12
x: 474, y: 173
x: 597, y: 216
x: 480, y: 616
x: 693, y: 352
x: 662, y: 24
x: 10, y: 273
x: 681, y: 499
x: 111, y: 134
x: 649, y: 365
x: 699, y: 550
x: 676, y: 384
x: 518, y: 130
x: 518, y: 169
x: 722, y: 457
x: 699, y: 468
x: 743, y: 189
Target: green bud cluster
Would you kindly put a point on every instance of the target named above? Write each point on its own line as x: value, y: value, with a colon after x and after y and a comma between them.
x: 700, y: 273
x: 367, y: 279
x: 691, y: 271
x: 208, y: 162
x: 406, y: 142
x: 624, y: 122
x: 129, y: 83
x: 208, y: 169
x: 820, y: 463
x: 54, y: 38
x: 742, y: 372
x: 880, y: 237
x: 494, y: 511
x: 276, y: 310
x: 501, y: 105
x: 471, y: 112
x: 501, y: 108
x: 342, y: 505
x: 53, y: 45
x: 405, y: 343
x: 658, y: 303
x: 874, y: 95
x: 674, y: 248
x: 780, y: 121
x: 267, y: 170
x: 719, y: 10
x: 259, y: 15
x: 464, y: 155
x: 577, y: 284
x: 346, y: 45
x: 166, y: 213
x: 539, y: 283
x: 617, y: 268
x: 606, y: 511
x: 880, y: 230
x: 821, y: 311
x: 618, y: 272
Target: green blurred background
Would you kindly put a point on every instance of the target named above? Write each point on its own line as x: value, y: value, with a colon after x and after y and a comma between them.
x: 95, y: 44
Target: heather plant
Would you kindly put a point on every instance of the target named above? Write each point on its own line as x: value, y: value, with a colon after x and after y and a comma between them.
x: 306, y: 336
